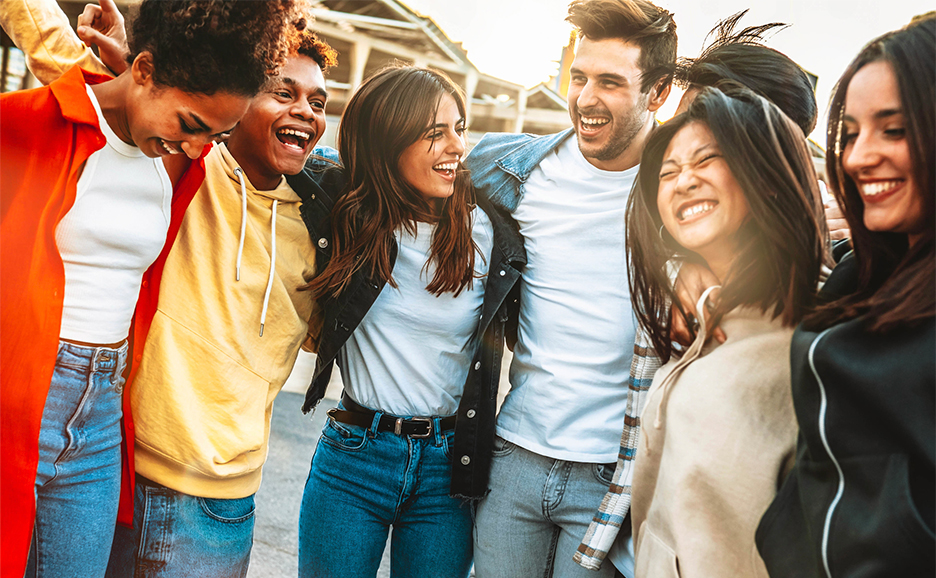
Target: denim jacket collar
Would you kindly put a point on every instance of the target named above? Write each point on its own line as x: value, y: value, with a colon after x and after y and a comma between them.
x: 521, y: 161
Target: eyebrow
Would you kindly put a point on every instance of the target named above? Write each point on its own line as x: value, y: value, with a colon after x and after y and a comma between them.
x: 319, y: 91
x: 878, y: 115
x: 604, y: 76
x: 443, y: 125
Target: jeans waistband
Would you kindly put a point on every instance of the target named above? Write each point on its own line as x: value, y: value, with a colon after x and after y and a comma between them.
x: 417, y: 427
x: 93, y: 358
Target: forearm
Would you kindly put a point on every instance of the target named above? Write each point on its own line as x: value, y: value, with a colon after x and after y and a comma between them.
x: 41, y: 30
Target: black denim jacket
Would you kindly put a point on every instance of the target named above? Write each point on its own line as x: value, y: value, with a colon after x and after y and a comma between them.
x: 318, y: 186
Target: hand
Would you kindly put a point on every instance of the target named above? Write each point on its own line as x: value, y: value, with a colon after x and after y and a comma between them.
x: 838, y: 226
x: 103, y: 26
x: 691, y: 282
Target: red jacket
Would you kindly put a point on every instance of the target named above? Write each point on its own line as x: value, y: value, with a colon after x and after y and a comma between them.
x: 46, y: 136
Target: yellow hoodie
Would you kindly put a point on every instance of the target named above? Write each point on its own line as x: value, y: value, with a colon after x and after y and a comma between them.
x: 203, y: 396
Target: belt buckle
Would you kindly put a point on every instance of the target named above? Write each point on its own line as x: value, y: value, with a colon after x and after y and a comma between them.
x: 427, y: 421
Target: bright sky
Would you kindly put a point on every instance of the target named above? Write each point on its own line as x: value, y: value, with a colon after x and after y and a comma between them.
x: 520, y: 40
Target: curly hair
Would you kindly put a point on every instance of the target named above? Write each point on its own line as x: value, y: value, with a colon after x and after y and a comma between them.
x: 207, y: 46
x: 318, y: 50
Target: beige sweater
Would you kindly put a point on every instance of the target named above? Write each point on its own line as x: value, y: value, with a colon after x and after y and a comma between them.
x: 717, y: 438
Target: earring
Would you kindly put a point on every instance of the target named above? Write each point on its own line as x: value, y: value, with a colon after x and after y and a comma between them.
x: 661, y: 234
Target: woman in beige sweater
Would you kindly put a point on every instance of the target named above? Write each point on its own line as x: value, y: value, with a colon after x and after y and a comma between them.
x: 728, y: 184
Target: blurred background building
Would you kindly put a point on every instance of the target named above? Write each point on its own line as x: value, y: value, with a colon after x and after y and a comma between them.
x: 371, y: 33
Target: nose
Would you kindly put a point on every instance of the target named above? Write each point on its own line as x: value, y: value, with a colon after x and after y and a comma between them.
x: 455, y: 144
x: 193, y: 146
x: 861, y: 153
x: 686, y: 181
x: 302, y: 108
x: 586, y: 98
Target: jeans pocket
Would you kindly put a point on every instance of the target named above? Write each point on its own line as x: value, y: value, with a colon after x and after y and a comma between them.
x: 229, y: 511
x: 344, y: 436
x: 448, y: 442
x: 604, y: 473
x: 502, y: 447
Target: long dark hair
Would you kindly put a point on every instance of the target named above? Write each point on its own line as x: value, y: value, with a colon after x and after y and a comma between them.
x: 781, y: 243
x: 390, y: 111
x: 895, y: 281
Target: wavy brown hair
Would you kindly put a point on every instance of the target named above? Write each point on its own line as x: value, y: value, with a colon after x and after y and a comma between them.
x: 780, y: 245
x: 895, y: 280
x: 390, y: 111
x: 207, y: 46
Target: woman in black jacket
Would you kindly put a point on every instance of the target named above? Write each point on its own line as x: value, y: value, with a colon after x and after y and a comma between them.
x: 860, y: 500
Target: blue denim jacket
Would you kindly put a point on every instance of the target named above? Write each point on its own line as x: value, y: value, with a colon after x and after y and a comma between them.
x: 501, y: 163
x: 319, y: 186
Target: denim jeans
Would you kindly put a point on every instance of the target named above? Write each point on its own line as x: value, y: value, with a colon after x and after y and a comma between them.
x: 536, y: 515
x: 360, y: 484
x: 78, y: 476
x: 176, y: 535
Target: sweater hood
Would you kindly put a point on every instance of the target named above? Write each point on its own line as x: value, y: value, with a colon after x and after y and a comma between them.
x: 283, y: 193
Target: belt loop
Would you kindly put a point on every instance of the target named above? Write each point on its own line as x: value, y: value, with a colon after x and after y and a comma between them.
x: 437, y: 430
x: 375, y: 423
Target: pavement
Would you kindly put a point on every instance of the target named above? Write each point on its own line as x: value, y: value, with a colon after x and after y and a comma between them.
x: 293, y: 437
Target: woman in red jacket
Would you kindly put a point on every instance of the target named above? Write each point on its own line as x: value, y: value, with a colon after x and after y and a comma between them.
x: 95, y: 179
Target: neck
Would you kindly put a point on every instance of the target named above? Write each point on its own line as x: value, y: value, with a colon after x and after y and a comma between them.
x: 112, y: 98
x: 262, y: 180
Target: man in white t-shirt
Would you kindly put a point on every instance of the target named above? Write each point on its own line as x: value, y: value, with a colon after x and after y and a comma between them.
x: 559, y: 429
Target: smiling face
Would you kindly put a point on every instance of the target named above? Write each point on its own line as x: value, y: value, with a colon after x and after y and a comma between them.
x: 429, y: 164
x: 608, y: 109
x: 700, y: 201
x: 876, y: 153
x: 165, y: 120
x: 282, y: 124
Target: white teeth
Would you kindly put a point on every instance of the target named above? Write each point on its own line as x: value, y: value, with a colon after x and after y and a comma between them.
x: 697, y: 209
x: 872, y: 189
x: 594, y: 121
x: 446, y: 166
x: 298, y: 133
x: 170, y: 150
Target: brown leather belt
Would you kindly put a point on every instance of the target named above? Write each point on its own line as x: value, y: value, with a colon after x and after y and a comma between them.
x: 417, y: 427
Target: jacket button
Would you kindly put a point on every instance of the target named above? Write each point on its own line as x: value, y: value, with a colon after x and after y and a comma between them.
x: 465, y: 460
x: 477, y: 365
x: 313, y: 196
x: 502, y: 273
x: 145, y: 283
x: 322, y: 243
x: 470, y: 413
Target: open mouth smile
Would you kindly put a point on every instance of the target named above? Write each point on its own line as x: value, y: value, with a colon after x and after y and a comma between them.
x: 294, y: 139
x: 171, y: 149
x: 877, y: 190
x: 695, y: 210
x: 592, y: 123
x: 446, y: 170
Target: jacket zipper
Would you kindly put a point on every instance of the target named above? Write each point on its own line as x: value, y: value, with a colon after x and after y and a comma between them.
x: 823, y: 406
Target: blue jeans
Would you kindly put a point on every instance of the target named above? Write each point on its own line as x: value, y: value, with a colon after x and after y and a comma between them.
x: 536, y: 514
x: 78, y: 476
x: 360, y: 484
x: 176, y: 535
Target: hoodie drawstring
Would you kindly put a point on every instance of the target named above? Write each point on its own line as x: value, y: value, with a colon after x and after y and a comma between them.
x: 240, y: 246
x: 693, y: 353
x: 269, y: 287
x: 243, y: 231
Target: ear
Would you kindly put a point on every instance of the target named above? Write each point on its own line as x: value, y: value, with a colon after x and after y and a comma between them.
x: 658, y: 95
x: 142, y: 68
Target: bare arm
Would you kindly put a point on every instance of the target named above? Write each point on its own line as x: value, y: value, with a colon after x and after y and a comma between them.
x: 41, y: 30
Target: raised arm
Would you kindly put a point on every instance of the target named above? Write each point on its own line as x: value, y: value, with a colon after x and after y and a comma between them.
x: 41, y: 30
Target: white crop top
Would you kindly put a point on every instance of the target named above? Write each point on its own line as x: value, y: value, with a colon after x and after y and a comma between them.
x: 110, y: 236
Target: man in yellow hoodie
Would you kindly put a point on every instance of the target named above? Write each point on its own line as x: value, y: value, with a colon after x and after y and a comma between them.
x: 230, y: 321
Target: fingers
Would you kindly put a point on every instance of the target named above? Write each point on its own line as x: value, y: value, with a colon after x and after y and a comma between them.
x: 679, y: 328
x: 109, y: 7
x: 835, y: 220
x: 91, y: 13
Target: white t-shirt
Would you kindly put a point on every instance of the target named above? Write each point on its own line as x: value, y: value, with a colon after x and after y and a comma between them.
x: 576, y: 334
x: 110, y: 237
x: 411, y: 353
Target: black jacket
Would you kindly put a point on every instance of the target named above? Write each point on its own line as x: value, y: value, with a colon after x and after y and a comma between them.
x: 318, y: 186
x: 859, y: 502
